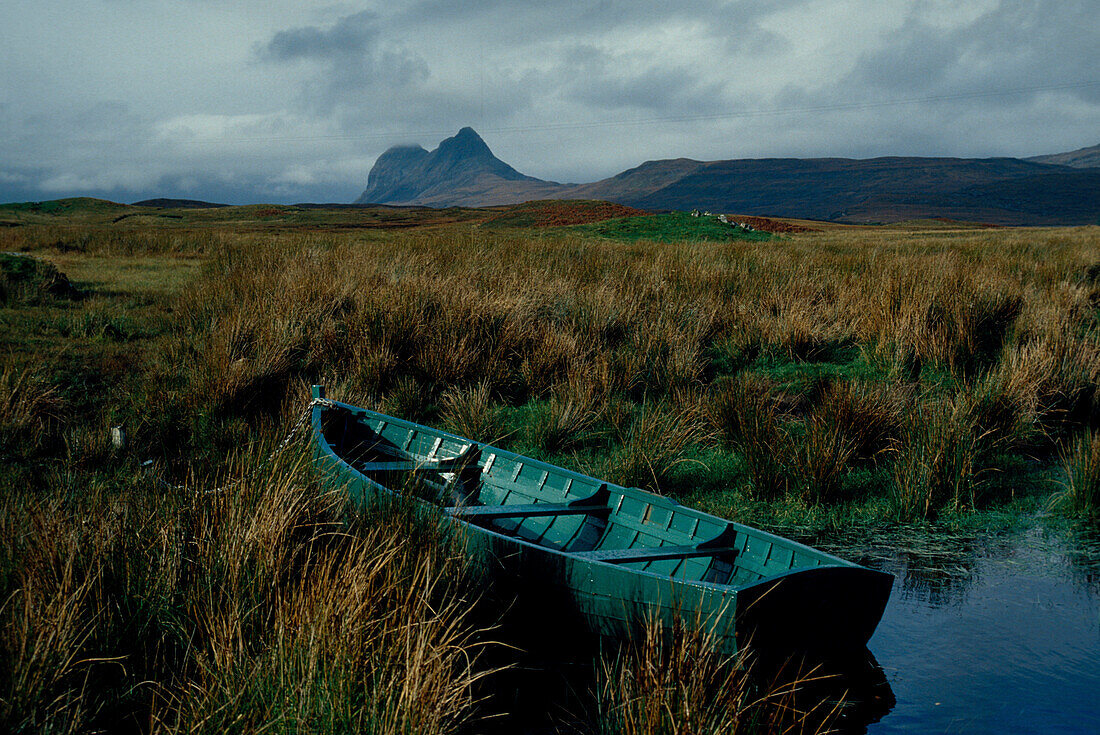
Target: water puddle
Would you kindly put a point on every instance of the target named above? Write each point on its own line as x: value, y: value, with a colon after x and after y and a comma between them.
x: 992, y: 636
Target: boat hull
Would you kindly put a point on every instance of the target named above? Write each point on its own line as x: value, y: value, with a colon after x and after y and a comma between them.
x: 568, y: 561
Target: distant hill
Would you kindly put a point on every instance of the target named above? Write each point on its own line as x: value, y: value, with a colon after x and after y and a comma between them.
x: 464, y: 172
x: 879, y: 190
x: 177, y: 204
x: 66, y: 206
x: 1080, y: 158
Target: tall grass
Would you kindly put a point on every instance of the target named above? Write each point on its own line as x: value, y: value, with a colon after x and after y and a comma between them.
x: 246, y: 610
x: 409, y: 318
x: 471, y: 412
x: 571, y: 411
x: 32, y: 281
x: 653, y: 444
x: 29, y: 405
x: 675, y: 682
x: 821, y: 459
x: 522, y: 316
x: 745, y: 415
x: 1082, y: 466
x: 920, y: 358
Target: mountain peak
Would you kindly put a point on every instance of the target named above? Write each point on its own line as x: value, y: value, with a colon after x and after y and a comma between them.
x: 466, y: 143
x: 406, y: 173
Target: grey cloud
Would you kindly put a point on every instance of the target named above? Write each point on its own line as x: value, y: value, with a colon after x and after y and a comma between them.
x: 983, y: 87
x: 441, y: 110
x: 570, y: 19
x: 1022, y: 44
x: 71, y: 133
x: 105, y: 149
x: 352, y: 35
x: 281, y: 98
x: 608, y: 81
x: 354, y: 62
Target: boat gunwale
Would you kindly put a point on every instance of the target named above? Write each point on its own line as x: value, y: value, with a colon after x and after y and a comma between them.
x: 360, y: 413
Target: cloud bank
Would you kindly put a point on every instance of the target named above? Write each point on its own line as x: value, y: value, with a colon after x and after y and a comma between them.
x: 282, y: 102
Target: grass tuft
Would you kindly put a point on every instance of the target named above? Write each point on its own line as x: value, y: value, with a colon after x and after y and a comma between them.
x: 1082, y: 465
x: 745, y: 415
x: 676, y: 682
x: 942, y: 460
x: 30, y: 407
x: 31, y: 281
x: 656, y: 440
x: 472, y: 413
x: 248, y: 609
x: 564, y: 420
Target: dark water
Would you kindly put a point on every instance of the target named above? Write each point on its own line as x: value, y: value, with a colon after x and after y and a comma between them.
x: 998, y: 636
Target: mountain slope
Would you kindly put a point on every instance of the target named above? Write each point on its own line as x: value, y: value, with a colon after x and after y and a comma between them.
x: 463, y: 171
x: 836, y: 188
x: 1080, y: 158
x: 636, y: 183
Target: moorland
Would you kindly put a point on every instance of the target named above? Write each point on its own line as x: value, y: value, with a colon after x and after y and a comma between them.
x: 830, y: 382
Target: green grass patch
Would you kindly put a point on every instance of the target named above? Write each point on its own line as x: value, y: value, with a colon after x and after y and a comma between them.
x: 799, y: 377
x: 131, y: 275
x: 670, y: 228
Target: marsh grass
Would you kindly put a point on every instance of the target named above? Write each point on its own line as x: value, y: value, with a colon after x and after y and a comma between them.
x: 472, y: 413
x: 1081, y: 462
x: 564, y: 420
x: 250, y: 609
x: 745, y: 414
x: 821, y: 459
x: 30, y: 281
x: 822, y: 380
x: 675, y: 681
x: 30, y: 406
x: 655, y: 442
x: 869, y: 414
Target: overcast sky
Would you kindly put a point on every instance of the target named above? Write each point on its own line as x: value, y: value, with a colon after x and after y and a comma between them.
x: 280, y: 101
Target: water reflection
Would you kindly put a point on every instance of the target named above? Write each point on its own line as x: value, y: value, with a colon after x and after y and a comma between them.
x: 1084, y: 560
x: 993, y: 635
x: 855, y: 686
x: 554, y: 693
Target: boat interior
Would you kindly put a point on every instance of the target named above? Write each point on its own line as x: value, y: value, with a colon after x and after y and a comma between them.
x: 556, y: 508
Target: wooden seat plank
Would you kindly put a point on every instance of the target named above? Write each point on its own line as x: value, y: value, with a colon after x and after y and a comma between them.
x: 465, y: 461
x: 594, y: 504
x: 523, y: 510
x: 392, y: 466
x: 652, y: 553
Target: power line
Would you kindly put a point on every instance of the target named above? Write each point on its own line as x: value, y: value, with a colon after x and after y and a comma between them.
x: 730, y: 115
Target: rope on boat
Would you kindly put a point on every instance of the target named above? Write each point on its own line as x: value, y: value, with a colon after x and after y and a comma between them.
x: 303, y: 418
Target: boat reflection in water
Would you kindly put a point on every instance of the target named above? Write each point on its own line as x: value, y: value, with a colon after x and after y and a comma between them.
x: 566, y: 687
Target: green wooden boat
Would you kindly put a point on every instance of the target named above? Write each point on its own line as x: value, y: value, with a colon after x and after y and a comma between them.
x: 605, y: 557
